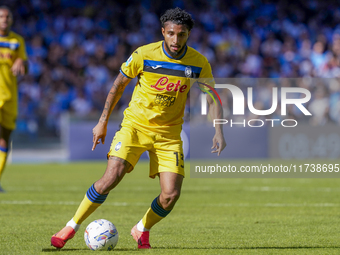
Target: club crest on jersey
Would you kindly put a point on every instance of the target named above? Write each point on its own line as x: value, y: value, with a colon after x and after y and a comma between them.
x: 128, y: 61
x: 188, y: 72
x: 118, y: 145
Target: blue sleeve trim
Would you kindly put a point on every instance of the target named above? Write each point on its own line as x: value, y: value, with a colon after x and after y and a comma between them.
x: 3, y: 149
x: 125, y: 74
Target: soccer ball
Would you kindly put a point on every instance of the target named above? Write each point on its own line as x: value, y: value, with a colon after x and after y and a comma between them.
x: 101, y: 235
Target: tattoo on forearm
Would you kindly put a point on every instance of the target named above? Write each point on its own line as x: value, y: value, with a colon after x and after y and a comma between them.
x: 114, y: 95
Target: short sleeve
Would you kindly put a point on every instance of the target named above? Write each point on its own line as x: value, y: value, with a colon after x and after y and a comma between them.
x: 206, y: 76
x: 134, y: 65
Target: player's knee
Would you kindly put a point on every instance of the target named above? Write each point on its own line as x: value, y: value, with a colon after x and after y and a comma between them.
x: 174, y: 197
x: 170, y: 199
x: 105, y: 186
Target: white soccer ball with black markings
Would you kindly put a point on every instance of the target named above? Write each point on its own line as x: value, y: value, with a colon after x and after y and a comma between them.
x: 101, y: 235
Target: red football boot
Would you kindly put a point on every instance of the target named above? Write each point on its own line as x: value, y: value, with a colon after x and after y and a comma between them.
x: 142, y: 238
x: 59, y: 239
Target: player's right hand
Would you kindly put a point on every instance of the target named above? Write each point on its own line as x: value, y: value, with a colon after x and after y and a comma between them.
x: 99, y: 133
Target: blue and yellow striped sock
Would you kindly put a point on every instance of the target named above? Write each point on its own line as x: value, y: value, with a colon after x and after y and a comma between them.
x: 154, y: 214
x: 90, y: 203
x: 3, y: 158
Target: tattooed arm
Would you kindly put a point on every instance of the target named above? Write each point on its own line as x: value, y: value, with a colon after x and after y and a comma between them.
x: 116, y: 91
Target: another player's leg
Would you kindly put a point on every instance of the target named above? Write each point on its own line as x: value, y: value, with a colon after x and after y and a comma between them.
x: 94, y: 197
x: 4, y: 145
x: 161, y: 206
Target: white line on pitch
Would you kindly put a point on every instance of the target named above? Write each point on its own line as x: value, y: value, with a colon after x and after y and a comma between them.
x: 31, y: 202
x: 275, y: 205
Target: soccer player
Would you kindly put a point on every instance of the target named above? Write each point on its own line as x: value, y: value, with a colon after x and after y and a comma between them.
x: 13, y: 62
x: 152, y: 122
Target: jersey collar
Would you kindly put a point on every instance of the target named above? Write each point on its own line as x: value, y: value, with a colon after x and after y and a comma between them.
x: 6, y: 35
x: 169, y: 56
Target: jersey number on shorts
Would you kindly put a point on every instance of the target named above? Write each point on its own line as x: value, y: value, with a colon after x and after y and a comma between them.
x: 177, y: 159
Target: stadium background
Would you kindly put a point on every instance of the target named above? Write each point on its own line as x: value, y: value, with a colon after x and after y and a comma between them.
x: 76, y: 48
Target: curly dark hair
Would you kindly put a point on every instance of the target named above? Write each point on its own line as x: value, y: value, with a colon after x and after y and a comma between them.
x: 177, y: 16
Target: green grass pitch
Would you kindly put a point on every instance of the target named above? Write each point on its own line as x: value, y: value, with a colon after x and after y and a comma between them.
x: 213, y: 216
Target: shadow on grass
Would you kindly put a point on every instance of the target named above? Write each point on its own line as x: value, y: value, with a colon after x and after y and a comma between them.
x: 204, y: 248
x: 80, y: 249
x: 248, y: 248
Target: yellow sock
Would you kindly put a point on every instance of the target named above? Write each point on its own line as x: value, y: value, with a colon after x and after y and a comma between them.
x: 3, y: 157
x: 154, y: 214
x: 85, y: 209
x: 90, y: 203
x: 151, y: 218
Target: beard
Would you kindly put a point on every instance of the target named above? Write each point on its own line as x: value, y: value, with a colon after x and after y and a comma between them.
x: 175, y: 53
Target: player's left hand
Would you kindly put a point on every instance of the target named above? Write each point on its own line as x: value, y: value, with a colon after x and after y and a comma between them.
x: 18, y: 67
x: 218, y: 144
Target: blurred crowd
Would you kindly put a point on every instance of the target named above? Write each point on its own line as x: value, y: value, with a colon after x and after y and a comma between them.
x: 76, y: 47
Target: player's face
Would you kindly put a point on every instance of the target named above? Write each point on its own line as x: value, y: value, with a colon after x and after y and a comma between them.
x: 5, y: 21
x: 175, y: 38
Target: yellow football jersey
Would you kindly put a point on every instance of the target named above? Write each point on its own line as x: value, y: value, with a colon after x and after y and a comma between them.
x: 159, y: 98
x: 12, y: 47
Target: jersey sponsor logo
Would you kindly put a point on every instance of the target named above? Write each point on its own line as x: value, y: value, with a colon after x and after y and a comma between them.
x: 118, y: 146
x: 164, y: 100
x: 155, y: 67
x: 6, y: 55
x: 188, y: 71
x: 164, y: 84
x: 128, y: 61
